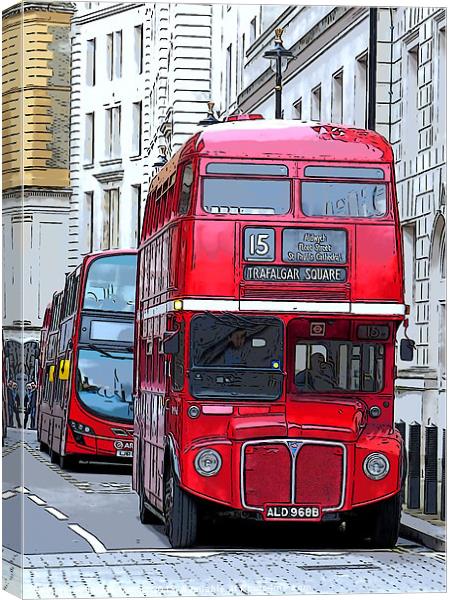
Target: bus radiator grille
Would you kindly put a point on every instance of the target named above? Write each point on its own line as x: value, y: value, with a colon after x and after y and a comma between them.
x: 319, y: 475
x: 267, y: 474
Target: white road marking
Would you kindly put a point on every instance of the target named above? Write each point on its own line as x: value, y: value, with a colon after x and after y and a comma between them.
x: 22, y: 490
x: 37, y: 500
x: 92, y: 540
x: 56, y: 513
x: 6, y: 495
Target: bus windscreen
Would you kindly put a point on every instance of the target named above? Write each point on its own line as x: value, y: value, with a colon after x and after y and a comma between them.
x: 110, y: 285
x: 236, y: 357
x: 104, y: 383
x: 246, y: 196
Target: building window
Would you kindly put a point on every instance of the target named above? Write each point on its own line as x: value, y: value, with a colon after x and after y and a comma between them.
x: 316, y: 103
x: 138, y: 35
x: 110, y: 56
x: 242, y: 65
x: 110, y: 234
x: 136, y: 213
x: 409, y: 251
x: 117, y: 53
x: 337, y: 98
x: 298, y: 110
x: 253, y: 30
x: 410, y: 90
x: 136, y: 128
x: 361, y: 91
x: 114, y: 55
x: 113, y: 132
x: 88, y: 216
x: 441, y: 102
x: 228, y: 75
x: 91, y: 62
x: 89, y: 139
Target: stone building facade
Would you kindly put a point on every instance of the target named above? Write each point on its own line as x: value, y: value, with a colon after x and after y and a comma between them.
x: 327, y: 81
x: 107, y: 150
x: 35, y: 170
x: 418, y: 135
x: 141, y: 77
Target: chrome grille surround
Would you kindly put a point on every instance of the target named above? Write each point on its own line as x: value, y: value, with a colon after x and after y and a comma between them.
x: 300, y: 443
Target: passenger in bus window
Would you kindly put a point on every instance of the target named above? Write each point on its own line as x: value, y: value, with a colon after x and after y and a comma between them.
x: 233, y: 355
x: 319, y: 377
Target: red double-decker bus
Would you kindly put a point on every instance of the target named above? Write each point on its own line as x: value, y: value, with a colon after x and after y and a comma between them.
x: 269, y: 293
x: 85, y: 384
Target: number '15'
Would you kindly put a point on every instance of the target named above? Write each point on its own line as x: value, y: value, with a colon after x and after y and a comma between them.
x: 258, y: 244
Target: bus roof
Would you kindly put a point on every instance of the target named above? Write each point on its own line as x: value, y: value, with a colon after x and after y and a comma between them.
x: 296, y: 140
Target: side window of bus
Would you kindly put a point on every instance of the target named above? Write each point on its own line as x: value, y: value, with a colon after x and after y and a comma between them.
x: 185, y: 189
x: 177, y: 363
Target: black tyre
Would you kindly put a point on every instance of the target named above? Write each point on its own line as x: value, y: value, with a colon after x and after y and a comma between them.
x: 181, y: 513
x: 43, y: 447
x: 54, y: 456
x: 67, y: 462
x: 386, y: 522
x: 376, y: 526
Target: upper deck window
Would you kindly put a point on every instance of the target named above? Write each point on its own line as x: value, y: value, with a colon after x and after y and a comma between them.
x: 247, y: 169
x: 343, y: 199
x: 344, y: 172
x: 110, y: 285
x: 246, y: 196
x: 185, y: 192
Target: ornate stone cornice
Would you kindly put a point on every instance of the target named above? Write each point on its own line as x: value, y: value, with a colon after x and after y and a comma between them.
x: 61, y: 7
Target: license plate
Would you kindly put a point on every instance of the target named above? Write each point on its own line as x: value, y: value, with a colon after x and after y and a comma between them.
x: 292, y: 512
x: 124, y: 453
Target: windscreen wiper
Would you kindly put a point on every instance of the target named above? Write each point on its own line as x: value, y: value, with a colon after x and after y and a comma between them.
x: 107, y: 354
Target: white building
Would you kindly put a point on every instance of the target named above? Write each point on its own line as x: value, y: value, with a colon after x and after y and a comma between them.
x: 327, y: 81
x: 107, y: 153
x: 141, y: 77
x: 327, y: 78
x: 418, y: 135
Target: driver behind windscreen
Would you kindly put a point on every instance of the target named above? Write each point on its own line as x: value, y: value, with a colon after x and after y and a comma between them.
x: 319, y: 377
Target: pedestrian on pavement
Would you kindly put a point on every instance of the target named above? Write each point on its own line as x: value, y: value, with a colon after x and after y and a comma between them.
x: 10, y: 396
x: 30, y: 405
x: 13, y: 403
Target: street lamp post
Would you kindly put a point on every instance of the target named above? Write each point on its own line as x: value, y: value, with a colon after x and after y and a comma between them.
x: 279, y: 59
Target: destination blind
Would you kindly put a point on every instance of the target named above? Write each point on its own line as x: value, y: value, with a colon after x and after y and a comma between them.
x: 294, y: 273
x: 326, y: 246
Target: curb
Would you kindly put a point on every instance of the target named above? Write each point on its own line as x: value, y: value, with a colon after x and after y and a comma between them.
x: 423, y: 532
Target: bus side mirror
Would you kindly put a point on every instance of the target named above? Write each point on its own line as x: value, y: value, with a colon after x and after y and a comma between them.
x: 170, y: 343
x: 407, y: 349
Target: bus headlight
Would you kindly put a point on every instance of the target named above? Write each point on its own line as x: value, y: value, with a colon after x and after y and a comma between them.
x: 208, y: 462
x: 376, y: 466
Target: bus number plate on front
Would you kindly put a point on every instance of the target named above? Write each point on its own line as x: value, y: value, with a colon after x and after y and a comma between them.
x: 295, y: 512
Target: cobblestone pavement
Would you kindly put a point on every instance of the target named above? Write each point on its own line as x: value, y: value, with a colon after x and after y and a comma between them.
x: 226, y: 573
x: 83, y: 539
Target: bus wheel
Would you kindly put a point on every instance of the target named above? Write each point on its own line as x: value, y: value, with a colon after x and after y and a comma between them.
x: 43, y: 447
x: 181, y: 513
x: 67, y: 462
x: 385, y: 519
x: 53, y: 456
